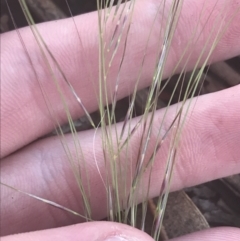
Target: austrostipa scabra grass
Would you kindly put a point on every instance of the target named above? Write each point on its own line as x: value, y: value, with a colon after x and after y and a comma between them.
x: 131, y: 46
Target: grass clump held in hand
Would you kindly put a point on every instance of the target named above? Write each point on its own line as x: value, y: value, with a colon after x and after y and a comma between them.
x: 131, y: 148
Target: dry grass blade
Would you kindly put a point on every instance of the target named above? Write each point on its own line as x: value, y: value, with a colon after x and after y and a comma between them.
x: 45, y: 201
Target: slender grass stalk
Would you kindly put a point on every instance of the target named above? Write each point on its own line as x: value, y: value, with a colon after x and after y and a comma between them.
x: 123, y: 178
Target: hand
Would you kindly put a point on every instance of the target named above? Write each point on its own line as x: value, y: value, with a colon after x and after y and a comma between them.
x: 40, y: 166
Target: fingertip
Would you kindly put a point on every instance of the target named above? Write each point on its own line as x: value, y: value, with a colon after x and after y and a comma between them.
x: 214, y: 234
x: 91, y: 231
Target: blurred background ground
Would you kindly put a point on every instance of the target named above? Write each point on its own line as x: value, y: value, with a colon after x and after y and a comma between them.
x: 212, y: 204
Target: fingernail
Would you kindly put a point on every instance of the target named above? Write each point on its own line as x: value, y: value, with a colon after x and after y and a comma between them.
x: 116, y: 238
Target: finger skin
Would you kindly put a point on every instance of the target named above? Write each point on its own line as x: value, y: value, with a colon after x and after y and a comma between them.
x: 101, y: 231
x: 24, y: 115
x: 92, y: 231
x: 209, y: 149
x: 215, y: 234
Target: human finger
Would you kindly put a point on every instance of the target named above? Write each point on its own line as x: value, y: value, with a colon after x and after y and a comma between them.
x: 24, y: 116
x: 215, y: 234
x: 90, y: 231
x: 209, y: 149
x: 107, y: 231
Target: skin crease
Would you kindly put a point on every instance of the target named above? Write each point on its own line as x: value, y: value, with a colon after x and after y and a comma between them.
x: 214, y: 121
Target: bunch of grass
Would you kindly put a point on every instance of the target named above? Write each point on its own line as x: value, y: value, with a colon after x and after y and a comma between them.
x: 128, y: 166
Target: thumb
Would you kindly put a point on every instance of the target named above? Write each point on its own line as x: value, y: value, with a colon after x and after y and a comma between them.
x: 91, y: 231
